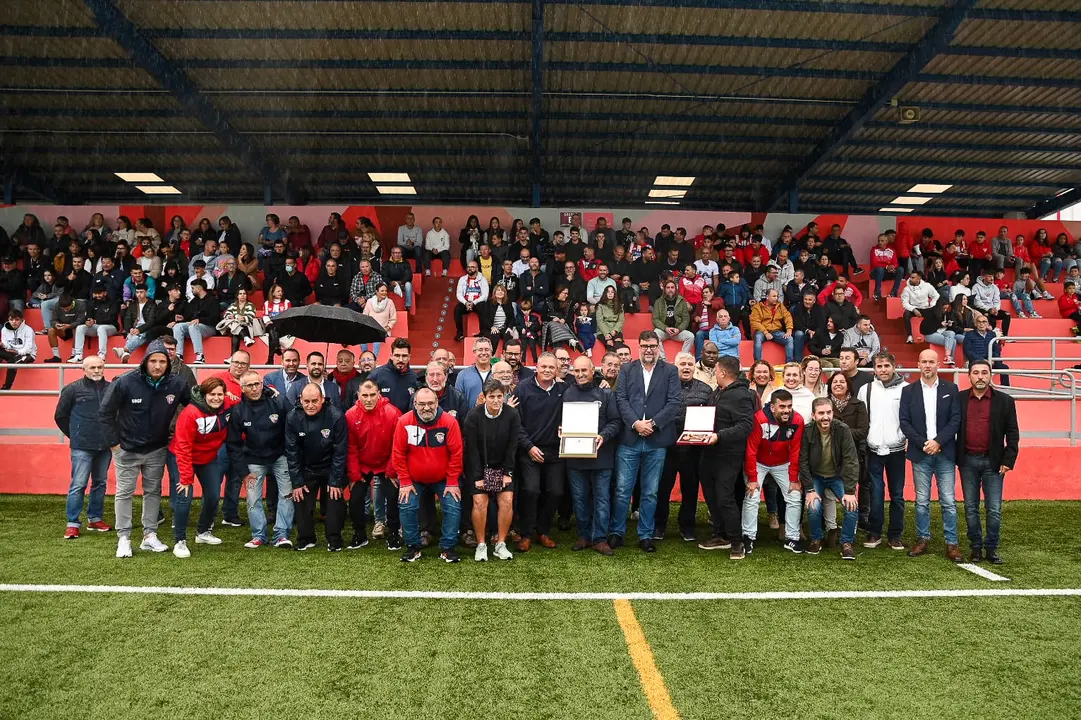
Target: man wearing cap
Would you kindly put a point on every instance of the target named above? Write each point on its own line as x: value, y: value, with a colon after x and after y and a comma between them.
x: 136, y: 412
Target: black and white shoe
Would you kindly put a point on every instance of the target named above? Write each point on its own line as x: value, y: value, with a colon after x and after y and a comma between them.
x: 449, y: 556
x: 199, y: 360
x: 411, y: 555
x: 394, y: 542
x: 748, y: 545
x: 301, y: 547
x: 284, y: 543
x: 235, y: 522
x: 334, y: 548
x: 794, y: 546
x: 357, y: 543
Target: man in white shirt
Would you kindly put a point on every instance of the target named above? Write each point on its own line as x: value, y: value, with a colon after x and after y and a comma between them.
x: 521, y: 265
x: 707, y: 268
x: 885, y: 451
x: 200, y: 273
x: 786, y: 271
x: 410, y: 238
x: 436, y: 244
x: 472, y: 291
x: 915, y: 298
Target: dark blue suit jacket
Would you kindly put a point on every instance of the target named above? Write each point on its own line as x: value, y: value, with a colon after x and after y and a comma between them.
x: 914, y: 419
x: 660, y: 404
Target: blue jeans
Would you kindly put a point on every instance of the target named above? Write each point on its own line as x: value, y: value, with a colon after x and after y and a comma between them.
x: 799, y: 338
x: 700, y: 338
x: 174, y: 478
x: 591, y: 491
x: 777, y: 337
x: 452, y: 512
x: 209, y: 477
x: 407, y: 290
x: 1022, y: 303
x: 103, y: 333
x: 134, y: 342
x: 976, y: 473
x: 283, y: 516
x: 878, y: 274
x: 944, y: 471
x: 948, y: 340
x: 893, y: 465
x: 197, y: 333
x: 230, y: 503
x: 48, y: 307
x: 88, y: 467
x: 629, y: 460
x: 814, y: 510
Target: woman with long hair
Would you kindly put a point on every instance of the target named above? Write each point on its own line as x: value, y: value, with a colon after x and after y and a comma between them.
x: 1022, y: 258
x: 761, y: 377
x: 852, y: 411
x: 248, y: 263
x: 240, y: 322
x: 490, y: 440
x: 559, y: 329
x: 811, y: 368
x: 937, y: 329
x: 610, y: 318
x: 470, y: 239
x: 272, y: 231
x: 499, y: 318
x: 204, y: 232
x: 124, y: 231
x: 274, y: 304
x: 1062, y: 258
x: 380, y: 308
x: 200, y: 432
x: 176, y: 226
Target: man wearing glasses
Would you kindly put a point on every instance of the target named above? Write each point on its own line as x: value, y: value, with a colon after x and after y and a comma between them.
x: 563, y: 359
x: 648, y: 395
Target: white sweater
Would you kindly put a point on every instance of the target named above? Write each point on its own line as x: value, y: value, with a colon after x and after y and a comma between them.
x: 21, y: 341
x: 919, y: 297
x: 884, y: 435
x: 437, y: 241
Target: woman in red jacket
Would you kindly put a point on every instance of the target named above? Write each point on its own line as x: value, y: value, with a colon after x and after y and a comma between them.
x: 200, y: 433
x: 371, y: 424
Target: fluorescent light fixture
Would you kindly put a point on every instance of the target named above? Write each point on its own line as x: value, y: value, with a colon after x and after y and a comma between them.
x: 662, y: 202
x: 139, y: 177
x: 666, y: 193
x: 679, y: 180
x: 896, y: 209
x: 911, y: 200
x: 381, y: 177
x: 158, y: 189
x: 929, y: 188
x: 396, y: 189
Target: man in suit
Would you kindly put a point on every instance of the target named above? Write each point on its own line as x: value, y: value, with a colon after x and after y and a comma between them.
x: 648, y: 397
x: 987, y: 440
x: 289, y: 375
x: 930, y: 414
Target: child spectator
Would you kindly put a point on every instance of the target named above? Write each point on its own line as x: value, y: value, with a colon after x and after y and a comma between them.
x: 585, y: 327
x: 531, y: 329
x: 1020, y: 292
x: 628, y: 298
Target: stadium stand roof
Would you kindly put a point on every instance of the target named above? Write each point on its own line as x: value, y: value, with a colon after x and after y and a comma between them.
x: 769, y: 104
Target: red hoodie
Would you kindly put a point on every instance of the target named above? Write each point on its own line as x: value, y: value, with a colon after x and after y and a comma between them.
x: 1069, y: 304
x: 199, y: 435
x: 371, y: 435
x: 773, y: 444
x: 883, y: 257
x: 427, y: 454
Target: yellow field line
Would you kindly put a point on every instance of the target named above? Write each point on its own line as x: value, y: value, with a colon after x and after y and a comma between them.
x: 660, y: 702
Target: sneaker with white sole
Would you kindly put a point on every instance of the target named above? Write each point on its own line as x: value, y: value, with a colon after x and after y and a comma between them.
x: 481, y: 553
x: 150, y: 542
x: 181, y: 549
x: 284, y: 543
x: 254, y: 544
x: 502, y: 552
x: 199, y: 359
x: 207, y: 538
x: 249, y: 341
x: 75, y: 359
x: 1036, y: 316
x: 119, y: 352
x: 123, y: 546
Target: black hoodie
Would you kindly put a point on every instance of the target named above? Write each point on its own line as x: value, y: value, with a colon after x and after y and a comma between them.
x: 136, y: 411
x: 734, y: 421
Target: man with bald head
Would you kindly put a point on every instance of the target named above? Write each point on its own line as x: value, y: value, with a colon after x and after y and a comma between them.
x: 76, y: 416
x: 316, y: 449
x: 930, y: 416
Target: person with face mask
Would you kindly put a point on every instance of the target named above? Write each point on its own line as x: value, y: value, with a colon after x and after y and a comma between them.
x: 316, y: 447
x: 294, y: 284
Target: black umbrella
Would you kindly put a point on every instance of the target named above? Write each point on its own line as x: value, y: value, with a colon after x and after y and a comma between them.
x: 329, y: 324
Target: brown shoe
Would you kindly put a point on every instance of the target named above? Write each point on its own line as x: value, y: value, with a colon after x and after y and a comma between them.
x: 773, y: 522
x: 896, y: 545
x: 469, y: 539
x: 833, y: 538
x: 848, y: 552
x: 524, y: 544
x: 513, y: 536
x: 953, y: 554
x: 814, y: 547
x: 545, y: 541
x: 579, y: 544
x: 920, y: 548
x: 604, y: 549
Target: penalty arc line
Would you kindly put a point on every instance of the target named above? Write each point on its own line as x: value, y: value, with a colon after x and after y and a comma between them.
x: 550, y: 596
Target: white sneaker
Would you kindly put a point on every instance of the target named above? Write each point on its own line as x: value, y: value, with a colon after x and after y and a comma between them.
x: 379, y: 531
x: 151, y: 542
x: 207, y: 538
x: 119, y: 352
x: 502, y: 552
x: 444, y: 273
x: 908, y: 340
x: 181, y: 549
x: 481, y: 555
x: 75, y: 359
x: 249, y: 341
x: 427, y: 273
x: 1036, y: 316
x: 123, y: 547
x: 1022, y: 315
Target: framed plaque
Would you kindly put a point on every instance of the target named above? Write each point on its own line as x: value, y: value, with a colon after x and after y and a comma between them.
x: 579, y: 430
x: 698, y: 425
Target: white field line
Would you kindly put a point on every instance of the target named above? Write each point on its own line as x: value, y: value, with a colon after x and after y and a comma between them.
x: 983, y: 572
x: 560, y: 596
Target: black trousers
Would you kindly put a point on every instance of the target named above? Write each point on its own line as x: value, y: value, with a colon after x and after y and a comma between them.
x: 539, y: 492
x: 460, y: 312
x: 722, y: 482
x: 10, y: 357
x: 305, y: 511
x: 681, y: 460
x: 336, y: 513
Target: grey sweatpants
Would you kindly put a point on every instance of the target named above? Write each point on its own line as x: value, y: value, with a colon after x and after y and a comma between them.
x: 129, y: 465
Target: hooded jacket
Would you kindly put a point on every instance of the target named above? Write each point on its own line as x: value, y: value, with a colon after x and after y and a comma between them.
x: 398, y: 387
x: 986, y: 296
x: 371, y: 437
x: 316, y: 445
x: 137, y: 410
x: 845, y: 457
x: 200, y: 433
x: 736, y: 405
x: 427, y: 453
x: 77, y: 414
x: 257, y: 431
x: 883, y: 403
x: 773, y: 444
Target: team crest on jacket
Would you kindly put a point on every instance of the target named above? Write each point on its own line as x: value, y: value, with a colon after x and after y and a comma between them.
x: 325, y: 432
x: 170, y: 398
x: 274, y: 418
x: 440, y: 437
x: 412, y: 391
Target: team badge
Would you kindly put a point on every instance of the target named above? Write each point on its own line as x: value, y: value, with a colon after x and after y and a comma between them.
x: 412, y: 391
x: 274, y: 418
x: 325, y: 432
x: 440, y: 436
x: 170, y: 398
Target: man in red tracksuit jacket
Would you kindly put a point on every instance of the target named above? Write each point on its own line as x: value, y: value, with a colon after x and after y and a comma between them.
x: 773, y: 452
x: 371, y: 424
x: 427, y: 457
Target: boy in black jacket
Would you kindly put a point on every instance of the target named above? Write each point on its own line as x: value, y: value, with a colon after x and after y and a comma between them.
x: 101, y: 319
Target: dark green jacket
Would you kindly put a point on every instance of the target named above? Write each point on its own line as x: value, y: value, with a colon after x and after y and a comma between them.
x: 845, y: 456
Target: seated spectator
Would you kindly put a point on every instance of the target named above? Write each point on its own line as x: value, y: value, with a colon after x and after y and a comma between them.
x: 691, y: 286
x: 827, y: 344
x: 770, y: 320
x: 842, y: 311
x: 737, y: 299
x: 200, y: 318
x: 102, y: 319
x: 398, y: 274
x: 46, y: 290
x: 1021, y: 293
x: 585, y: 328
x: 139, y: 317
x: 436, y: 245
x: 987, y: 300
x: 200, y: 273
x: 725, y: 335
x: 380, y: 308
x: 862, y: 338
x: 960, y: 284
x: 472, y: 290
x: 1069, y: 305
x: 672, y: 318
x: 852, y: 293
x: 68, y: 314
x: 937, y: 329
x: 532, y: 329
x: 499, y: 318
x: 825, y: 273
x: 808, y: 319
x: 977, y: 346
x: 595, y: 288
x: 702, y: 320
x: 230, y: 281
x: 240, y: 322
x: 248, y: 264
x: 610, y: 319
x: 12, y: 285
x: 1062, y: 258
x: 559, y: 328
x: 917, y: 297
x: 332, y: 288
x: 295, y: 284
x: 17, y: 345
x: 883, y: 264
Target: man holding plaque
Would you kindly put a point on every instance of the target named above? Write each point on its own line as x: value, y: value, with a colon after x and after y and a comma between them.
x: 648, y: 398
x: 540, y: 404
x: 590, y: 479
